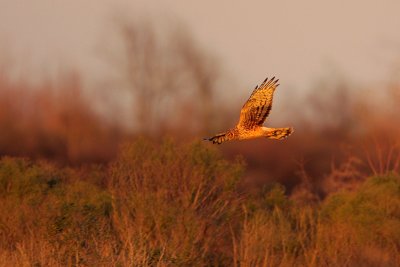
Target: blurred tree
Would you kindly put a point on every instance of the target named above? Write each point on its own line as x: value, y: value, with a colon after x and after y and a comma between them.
x: 170, y: 79
x: 204, y: 71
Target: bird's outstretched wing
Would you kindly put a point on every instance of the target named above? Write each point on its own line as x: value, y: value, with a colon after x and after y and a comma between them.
x: 256, y: 109
x: 220, y: 138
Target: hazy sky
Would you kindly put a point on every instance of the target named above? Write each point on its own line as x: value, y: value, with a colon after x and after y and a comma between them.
x: 298, y: 41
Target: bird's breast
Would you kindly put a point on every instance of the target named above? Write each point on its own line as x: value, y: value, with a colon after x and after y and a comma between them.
x: 248, y: 134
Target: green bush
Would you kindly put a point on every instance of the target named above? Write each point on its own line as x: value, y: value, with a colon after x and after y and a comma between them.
x: 22, y: 179
x: 53, y: 205
x: 373, y: 211
x: 349, y: 228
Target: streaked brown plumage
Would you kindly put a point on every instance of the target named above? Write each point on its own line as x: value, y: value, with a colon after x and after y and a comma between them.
x: 252, y: 116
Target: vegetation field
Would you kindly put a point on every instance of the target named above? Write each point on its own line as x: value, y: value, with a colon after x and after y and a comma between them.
x: 170, y: 204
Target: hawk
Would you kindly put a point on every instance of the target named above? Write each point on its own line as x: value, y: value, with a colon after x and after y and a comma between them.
x: 252, y: 116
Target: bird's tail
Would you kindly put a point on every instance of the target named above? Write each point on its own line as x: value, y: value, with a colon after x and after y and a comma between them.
x: 218, y: 139
x: 279, y: 133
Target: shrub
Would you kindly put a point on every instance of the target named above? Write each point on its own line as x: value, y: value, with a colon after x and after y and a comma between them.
x: 173, y: 203
x: 49, y: 215
x: 366, y: 224
x: 350, y: 228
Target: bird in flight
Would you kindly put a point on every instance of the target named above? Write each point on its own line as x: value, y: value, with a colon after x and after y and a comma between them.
x: 252, y: 116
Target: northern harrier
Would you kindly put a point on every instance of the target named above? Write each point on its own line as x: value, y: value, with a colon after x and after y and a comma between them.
x: 252, y: 116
